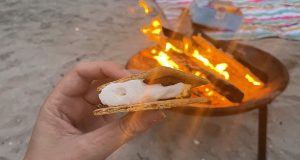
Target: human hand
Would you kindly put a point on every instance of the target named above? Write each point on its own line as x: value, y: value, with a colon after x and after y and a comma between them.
x: 66, y: 128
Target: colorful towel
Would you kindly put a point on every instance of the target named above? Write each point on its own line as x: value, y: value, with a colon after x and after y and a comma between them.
x: 262, y: 18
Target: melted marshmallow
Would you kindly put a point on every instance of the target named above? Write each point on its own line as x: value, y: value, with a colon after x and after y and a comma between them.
x: 136, y: 91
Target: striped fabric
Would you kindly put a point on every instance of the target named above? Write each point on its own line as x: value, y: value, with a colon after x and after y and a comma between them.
x: 262, y: 18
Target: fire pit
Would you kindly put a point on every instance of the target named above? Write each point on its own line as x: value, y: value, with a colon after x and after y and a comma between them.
x: 276, y: 73
x: 242, y: 77
x: 261, y: 63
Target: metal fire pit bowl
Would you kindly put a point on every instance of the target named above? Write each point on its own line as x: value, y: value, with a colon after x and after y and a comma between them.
x: 277, y: 78
x: 275, y: 74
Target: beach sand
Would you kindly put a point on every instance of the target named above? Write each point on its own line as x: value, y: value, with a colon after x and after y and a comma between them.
x: 41, y: 40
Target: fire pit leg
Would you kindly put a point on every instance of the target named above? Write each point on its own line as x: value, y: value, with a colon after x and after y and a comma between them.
x: 262, y: 132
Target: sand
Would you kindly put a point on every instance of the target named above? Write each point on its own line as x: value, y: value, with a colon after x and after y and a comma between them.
x: 40, y: 40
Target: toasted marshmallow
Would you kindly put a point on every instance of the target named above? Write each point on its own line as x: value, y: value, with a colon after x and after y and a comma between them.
x: 136, y: 91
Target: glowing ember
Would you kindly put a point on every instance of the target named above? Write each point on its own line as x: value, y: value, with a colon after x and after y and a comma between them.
x: 251, y: 79
x: 221, y: 66
x: 197, y: 73
x: 144, y: 5
x: 221, y: 69
x: 210, y: 93
x: 186, y: 46
x: 164, y: 60
x: 153, y: 51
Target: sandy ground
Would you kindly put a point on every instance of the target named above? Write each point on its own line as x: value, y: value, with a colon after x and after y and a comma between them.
x: 40, y: 40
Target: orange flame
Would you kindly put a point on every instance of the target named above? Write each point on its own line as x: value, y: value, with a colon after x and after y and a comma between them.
x: 153, y: 51
x: 156, y: 23
x: 144, y: 5
x: 209, y: 58
x: 153, y: 30
x: 220, y: 68
x: 169, y: 46
x: 197, y: 73
x: 209, y: 92
x: 251, y: 80
x: 186, y: 45
x: 164, y: 60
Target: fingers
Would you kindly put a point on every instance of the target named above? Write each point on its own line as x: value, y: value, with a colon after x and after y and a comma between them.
x: 102, y: 142
x: 98, y: 70
x: 78, y: 80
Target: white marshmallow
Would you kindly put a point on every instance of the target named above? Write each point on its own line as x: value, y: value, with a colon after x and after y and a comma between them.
x: 136, y: 91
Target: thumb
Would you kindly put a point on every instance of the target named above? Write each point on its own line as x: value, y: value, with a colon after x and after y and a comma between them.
x: 102, y: 142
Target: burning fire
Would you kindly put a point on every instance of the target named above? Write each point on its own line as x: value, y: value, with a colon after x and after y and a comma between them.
x: 251, y: 79
x: 205, y: 54
x: 146, y: 8
x: 220, y: 68
x: 169, y: 46
x: 164, y: 60
x: 153, y: 30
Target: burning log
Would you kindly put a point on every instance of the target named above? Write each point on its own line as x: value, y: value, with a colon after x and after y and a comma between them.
x: 230, y: 49
x: 238, y: 55
x: 223, y: 87
x: 236, y: 69
x: 214, y: 60
x: 217, y: 74
x: 172, y: 34
x: 226, y: 89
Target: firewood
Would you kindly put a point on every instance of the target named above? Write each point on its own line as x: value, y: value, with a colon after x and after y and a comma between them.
x: 216, y: 44
x: 223, y: 87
